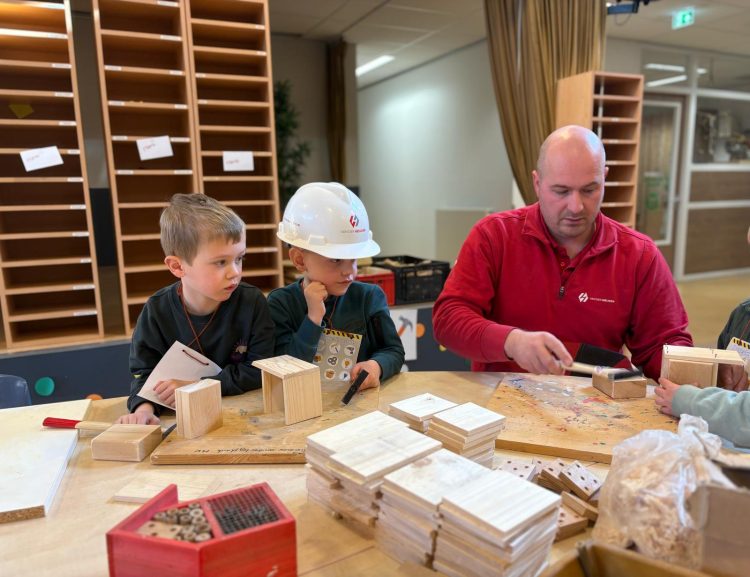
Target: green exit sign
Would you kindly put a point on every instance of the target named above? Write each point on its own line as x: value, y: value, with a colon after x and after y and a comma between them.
x: 682, y: 18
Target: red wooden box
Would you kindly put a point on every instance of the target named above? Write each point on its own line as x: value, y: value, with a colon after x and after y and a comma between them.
x: 382, y: 277
x: 266, y: 549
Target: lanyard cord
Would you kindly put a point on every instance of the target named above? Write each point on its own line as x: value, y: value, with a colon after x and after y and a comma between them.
x: 196, y: 336
x: 329, y: 321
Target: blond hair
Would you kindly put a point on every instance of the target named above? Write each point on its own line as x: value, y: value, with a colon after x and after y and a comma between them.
x: 192, y: 219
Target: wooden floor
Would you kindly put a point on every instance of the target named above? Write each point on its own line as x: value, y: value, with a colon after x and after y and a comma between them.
x: 709, y: 302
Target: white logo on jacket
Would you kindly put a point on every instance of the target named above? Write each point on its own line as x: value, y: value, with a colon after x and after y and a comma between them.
x: 584, y: 297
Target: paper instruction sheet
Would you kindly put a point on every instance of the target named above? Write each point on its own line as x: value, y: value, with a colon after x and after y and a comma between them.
x: 182, y: 363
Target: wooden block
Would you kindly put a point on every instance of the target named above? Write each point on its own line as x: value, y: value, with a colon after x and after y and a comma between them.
x: 580, y: 480
x: 632, y: 388
x: 198, y: 408
x: 126, y: 442
x: 469, y: 419
x: 145, y: 487
x: 291, y: 385
x: 700, y: 354
x: 416, y: 410
x: 526, y: 470
x: 569, y: 524
x: 701, y: 374
x: 579, y: 506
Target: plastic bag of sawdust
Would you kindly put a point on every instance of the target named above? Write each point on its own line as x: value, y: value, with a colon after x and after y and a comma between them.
x: 643, y: 501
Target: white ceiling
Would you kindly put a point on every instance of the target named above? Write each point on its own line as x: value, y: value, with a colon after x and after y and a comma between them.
x: 417, y: 31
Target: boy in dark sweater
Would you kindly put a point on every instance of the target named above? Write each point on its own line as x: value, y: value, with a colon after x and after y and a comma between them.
x: 327, y: 227
x: 209, y: 309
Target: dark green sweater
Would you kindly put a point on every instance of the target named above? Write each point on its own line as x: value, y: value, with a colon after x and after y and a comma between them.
x: 738, y: 325
x: 240, y: 333
x: 361, y: 310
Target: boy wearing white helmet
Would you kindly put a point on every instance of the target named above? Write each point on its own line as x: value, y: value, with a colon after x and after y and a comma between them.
x: 328, y: 314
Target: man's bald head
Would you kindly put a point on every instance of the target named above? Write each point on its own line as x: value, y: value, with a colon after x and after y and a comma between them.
x: 572, y: 138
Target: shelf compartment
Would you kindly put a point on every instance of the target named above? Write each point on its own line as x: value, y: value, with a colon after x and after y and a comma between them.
x: 33, y: 16
x: 622, y: 214
x: 168, y: 122
x: 228, y: 34
x: 261, y: 237
x: 213, y: 166
x: 44, y: 248
x: 35, y: 193
x: 216, y: 141
x: 12, y: 166
x: 263, y: 214
x: 37, y: 134
x: 169, y: 89
x: 139, y: 221
x: 42, y: 49
x: 29, y: 75
x: 213, y: 60
x: 149, y: 17
x: 619, y: 194
x: 126, y: 157
x: 259, y: 263
x: 265, y: 281
x: 259, y: 118
x: 618, y: 85
x: 622, y: 173
x: 40, y: 222
x: 53, y: 331
x: 228, y: 191
x: 46, y: 105
x: 621, y: 152
x: 154, y: 188
x: 26, y: 307
x: 607, y: 107
x: 615, y: 129
x: 142, y: 50
x: 231, y: 87
x: 247, y: 11
x: 142, y: 252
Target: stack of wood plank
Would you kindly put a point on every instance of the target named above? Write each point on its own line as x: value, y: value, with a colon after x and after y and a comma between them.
x: 408, y: 520
x: 469, y: 430
x: 417, y: 411
x: 497, y: 524
x: 348, y: 463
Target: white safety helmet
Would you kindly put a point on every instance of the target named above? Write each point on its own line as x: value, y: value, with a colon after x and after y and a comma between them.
x: 327, y: 218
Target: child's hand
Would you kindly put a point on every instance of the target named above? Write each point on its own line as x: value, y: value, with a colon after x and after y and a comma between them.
x: 143, y: 415
x: 373, y: 378
x: 315, y: 295
x: 664, y: 394
x: 732, y: 377
x: 165, y: 390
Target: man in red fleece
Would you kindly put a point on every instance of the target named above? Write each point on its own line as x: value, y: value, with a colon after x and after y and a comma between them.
x: 557, y: 271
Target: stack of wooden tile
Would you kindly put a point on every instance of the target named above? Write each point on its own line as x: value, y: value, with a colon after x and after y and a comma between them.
x: 417, y: 411
x: 526, y: 469
x: 469, y: 430
x: 497, y: 524
x: 549, y: 475
x: 348, y: 481
x: 408, y: 519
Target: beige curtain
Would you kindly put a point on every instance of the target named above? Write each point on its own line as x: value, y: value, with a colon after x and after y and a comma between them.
x: 532, y: 43
x: 337, y: 110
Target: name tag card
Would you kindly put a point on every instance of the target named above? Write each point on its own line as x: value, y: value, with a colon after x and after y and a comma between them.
x: 238, y: 161
x: 38, y: 158
x: 151, y: 148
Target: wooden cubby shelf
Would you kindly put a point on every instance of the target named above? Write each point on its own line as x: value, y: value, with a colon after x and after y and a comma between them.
x: 46, y: 231
x: 610, y: 104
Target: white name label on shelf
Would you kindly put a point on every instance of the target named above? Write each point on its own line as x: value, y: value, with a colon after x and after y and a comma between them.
x: 85, y: 260
x: 170, y: 37
x: 176, y: 72
x: 64, y: 94
x: 77, y: 207
x: 85, y: 313
x: 75, y: 179
x: 83, y: 287
x: 112, y: 67
x: 180, y: 106
x: 180, y: 139
x: 183, y: 171
x: 124, y: 172
x: 63, y: 65
x: 168, y: 4
x: 119, y: 137
x: 238, y: 161
x: 67, y: 123
x: 156, y: 147
x: 38, y: 158
x: 74, y: 151
x: 80, y: 234
x: 116, y: 103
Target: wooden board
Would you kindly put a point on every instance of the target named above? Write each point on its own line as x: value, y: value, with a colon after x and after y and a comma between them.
x: 34, y: 458
x: 249, y: 436
x: 567, y: 417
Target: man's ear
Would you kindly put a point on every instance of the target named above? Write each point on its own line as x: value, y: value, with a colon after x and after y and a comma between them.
x: 297, y: 256
x: 174, y: 264
x: 535, y: 178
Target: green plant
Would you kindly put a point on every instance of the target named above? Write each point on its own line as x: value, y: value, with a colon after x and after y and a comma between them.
x: 291, y: 153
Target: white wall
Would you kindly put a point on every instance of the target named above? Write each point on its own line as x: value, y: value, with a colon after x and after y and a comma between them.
x: 430, y: 138
x: 622, y: 56
x: 303, y: 63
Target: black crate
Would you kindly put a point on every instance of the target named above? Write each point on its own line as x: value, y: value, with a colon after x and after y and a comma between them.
x: 417, y: 279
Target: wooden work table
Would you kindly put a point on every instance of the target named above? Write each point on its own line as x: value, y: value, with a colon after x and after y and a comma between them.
x: 70, y: 540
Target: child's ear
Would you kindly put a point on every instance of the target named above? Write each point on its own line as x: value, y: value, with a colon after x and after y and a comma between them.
x: 298, y: 258
x: 174, y: 264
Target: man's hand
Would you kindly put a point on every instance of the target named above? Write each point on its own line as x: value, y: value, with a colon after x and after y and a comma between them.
x: 315, y: 296
x: 537, y: 352
x: 373, y: 377
x: 732, y: 377
x: 143, y: 415
x: 165, y: 390
x: 664, y: 395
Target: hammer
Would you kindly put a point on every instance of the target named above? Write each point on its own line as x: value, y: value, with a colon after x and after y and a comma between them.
x: 404, y: 323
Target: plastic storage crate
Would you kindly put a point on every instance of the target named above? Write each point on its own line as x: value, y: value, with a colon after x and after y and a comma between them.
x: 417, y: 279
x: 382, y: 277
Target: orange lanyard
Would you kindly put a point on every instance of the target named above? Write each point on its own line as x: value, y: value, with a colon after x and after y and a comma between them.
x: 329, y: 322
x: 196, y: 336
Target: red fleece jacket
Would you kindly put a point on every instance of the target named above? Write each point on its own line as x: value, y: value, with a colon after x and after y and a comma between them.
x: 510, y: 274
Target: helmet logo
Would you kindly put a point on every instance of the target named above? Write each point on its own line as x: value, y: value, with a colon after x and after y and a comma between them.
x: 354, y: 220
